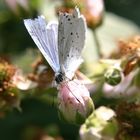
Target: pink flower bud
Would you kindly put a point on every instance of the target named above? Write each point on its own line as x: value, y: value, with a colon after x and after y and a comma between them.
x: 75, y: 104
x: 13, y: 4
x: 94, y: 12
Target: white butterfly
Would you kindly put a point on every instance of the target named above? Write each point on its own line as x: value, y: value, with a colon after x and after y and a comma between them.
x: 61, y: 44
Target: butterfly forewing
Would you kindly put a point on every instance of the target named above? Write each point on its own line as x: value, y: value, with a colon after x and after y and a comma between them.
x: 71, y: 39
x: 45, y: 37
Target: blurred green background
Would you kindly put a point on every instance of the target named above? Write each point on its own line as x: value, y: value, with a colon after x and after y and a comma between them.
x: 38, y: 117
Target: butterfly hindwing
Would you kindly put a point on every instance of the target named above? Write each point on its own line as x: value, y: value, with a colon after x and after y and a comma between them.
x: 45, y: 37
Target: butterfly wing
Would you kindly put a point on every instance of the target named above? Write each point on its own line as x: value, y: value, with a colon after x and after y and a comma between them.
x: 71, y: 39
x: 45, y: 37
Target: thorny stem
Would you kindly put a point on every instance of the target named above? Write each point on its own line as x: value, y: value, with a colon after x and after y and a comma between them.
x: 97, y: 43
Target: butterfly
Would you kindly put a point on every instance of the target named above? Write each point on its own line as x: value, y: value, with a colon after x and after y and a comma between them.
x: 61, y: 44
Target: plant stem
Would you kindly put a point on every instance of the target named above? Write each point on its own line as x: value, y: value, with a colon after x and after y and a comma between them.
x: 97, y: 43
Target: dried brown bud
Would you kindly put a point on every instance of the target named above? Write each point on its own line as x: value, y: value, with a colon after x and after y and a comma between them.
x: 8, y: 91
x: 130, y: 46
x: 130, y: 51
x: 42, y: 74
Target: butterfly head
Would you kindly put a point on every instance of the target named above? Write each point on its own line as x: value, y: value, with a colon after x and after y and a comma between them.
x: 59, y: 77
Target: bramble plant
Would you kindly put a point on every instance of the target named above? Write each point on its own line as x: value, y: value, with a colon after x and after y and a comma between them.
x: 70, y: 88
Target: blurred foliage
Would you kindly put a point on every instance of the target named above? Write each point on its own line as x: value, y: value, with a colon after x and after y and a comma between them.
x: 13, y: 37
x: 125, y: 8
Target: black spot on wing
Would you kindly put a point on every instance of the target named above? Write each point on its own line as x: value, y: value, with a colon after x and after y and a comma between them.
x: 77, y: 35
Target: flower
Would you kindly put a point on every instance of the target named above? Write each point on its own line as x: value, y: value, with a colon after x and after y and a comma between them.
x: 22, y: 82
x: 124, y: 88
x: 42, y: 75
x: 99, y: 125
x: 74, y: 102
